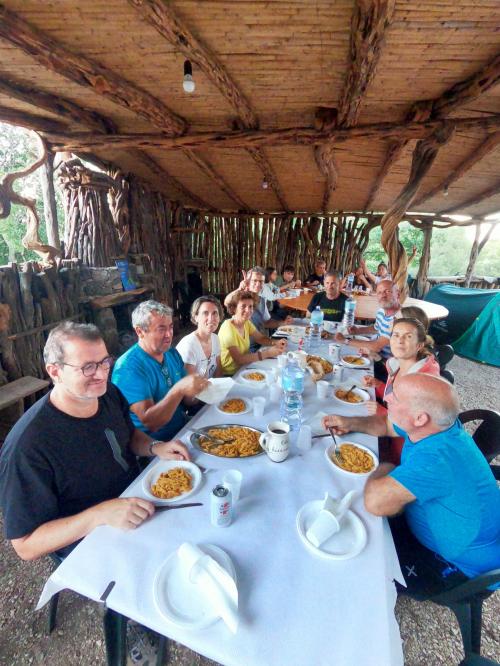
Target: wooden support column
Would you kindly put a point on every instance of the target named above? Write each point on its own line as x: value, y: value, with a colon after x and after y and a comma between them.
x: 423, y: 157
x: 476, y: 248
x: 46, y: 174
x: 423, y: 268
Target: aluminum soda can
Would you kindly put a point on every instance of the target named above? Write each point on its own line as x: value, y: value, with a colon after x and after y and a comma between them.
x: 334, y: 352
x: 221, y: 506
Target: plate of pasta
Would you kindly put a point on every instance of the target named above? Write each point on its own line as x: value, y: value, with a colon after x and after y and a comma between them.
x: 171, y: 480
x: 237, y: 441
x: 236, y: 406
x: 358, y: 460
x: 253, y: 377
x: 355, y: 361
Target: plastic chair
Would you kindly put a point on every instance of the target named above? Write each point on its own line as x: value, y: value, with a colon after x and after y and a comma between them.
x: 443, y: 354
x: 477, y: 660
x: 486, y: 435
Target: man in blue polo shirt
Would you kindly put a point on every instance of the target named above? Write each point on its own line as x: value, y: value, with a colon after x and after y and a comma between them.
x: 450, y: 530
x: 152, y: 377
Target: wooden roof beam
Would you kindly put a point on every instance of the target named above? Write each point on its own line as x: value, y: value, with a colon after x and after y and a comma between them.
x: 485, y: 194
x: 31, y: 122
x: 160, y: 15
x: 209, y: 171
x: 486, y: 147
x: 270, y: 176
x: 451, y: 100
x: 252, y: 139
x: 63, y: 108
x: 85, y: 72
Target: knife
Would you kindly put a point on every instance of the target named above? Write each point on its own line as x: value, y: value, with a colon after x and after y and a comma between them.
x: 167, y: 507
x: 107, y: 592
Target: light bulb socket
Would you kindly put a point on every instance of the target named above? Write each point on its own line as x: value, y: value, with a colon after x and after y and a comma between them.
x: 265, y: 184
x: 188, y: 69
x: 445, y: 191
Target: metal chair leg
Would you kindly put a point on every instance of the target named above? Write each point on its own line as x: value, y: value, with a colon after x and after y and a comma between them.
x: 51, y: 620
x: 476, y: 622
x: 162, y: 656
x: 115, y: 635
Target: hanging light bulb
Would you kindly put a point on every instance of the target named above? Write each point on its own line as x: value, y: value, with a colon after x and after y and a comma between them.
x: 187, y: 82
x: 445, y: 191
x: 265, y: 184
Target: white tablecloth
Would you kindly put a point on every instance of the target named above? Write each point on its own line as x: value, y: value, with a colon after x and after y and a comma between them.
x: 295, y: 609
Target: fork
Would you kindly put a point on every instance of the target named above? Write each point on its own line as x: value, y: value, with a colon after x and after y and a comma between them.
x: 336, y: 451
x: 214, y: 440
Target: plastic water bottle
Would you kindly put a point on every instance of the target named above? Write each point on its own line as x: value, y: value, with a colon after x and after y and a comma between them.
x: 317, y: 318
x: 350, y: 282
x: 349, y: 312
x: 292, y: 382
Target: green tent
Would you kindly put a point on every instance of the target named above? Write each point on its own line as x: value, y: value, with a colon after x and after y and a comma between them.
x: 481, y: 341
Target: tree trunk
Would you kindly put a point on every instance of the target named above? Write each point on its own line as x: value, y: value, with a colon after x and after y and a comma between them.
x: 475, y: 251
x: 423, y: 268
x: 49, y: 201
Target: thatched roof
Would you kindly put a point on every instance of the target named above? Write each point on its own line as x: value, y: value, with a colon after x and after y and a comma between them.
x: 262, y: 66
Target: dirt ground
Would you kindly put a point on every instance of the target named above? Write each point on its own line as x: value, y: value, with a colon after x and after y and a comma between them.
x: 430, y: 633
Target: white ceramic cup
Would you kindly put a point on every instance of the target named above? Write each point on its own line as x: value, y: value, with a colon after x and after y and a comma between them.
x: 232, y: 480
x: 322, y: 389
x: 276, y: 441
x: 259, y: 405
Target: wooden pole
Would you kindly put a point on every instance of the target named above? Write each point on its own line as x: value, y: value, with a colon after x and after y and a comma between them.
x: 49, y: 201
x: 423, y: 268
x: 476, y: 248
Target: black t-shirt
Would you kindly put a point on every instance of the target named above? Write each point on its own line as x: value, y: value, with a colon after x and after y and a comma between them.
x: 332, y: 309
x: 314, y: 278
x: 54, y: 465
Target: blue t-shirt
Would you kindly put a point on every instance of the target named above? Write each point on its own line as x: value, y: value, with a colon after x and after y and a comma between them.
x: 457, y: 510
x: 140, y: 377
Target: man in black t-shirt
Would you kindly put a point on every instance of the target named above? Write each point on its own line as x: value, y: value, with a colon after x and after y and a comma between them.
x: 331, y: 301
x: 67, y: 460
x: 318, y: 276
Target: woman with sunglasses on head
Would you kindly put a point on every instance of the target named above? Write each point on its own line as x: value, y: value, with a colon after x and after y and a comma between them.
x: 411, y: 349
x: 200, y: 350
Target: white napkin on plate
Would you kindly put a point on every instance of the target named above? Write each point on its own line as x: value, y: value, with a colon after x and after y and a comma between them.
x: 329, y: 519
x: 215, y: 584
x: 217, y: 390
x: 316, y: 425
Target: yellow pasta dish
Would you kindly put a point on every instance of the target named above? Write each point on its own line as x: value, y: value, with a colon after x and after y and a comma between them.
x: 348, y: 396
x: 233, y: 406
x: 246, y: 442
x: 353, y: 360
x: 173, y: 483
x: 326, y: 365
x: 254, y: 376
x: 354, y: 459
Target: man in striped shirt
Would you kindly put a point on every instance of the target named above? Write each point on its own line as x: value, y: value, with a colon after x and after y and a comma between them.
x: 388, y: 298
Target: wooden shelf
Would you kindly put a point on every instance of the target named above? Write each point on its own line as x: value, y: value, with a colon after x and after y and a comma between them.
x: 120, y: 298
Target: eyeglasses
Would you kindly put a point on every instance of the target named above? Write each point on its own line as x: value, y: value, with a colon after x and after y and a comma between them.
x: 90, y: 369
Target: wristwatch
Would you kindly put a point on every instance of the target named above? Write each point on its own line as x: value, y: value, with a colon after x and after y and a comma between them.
x: 151, y: 444
x: 259, y: 355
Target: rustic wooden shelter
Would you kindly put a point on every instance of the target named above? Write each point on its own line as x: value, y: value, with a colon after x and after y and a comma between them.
x: 311, y: 122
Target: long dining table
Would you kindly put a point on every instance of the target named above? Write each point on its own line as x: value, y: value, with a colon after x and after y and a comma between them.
x: 295, y: 608
x: 366, y: 305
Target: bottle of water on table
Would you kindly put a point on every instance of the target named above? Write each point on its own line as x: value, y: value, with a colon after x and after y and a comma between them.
x: 292, y: 381
x: 350, y: 282
x: 317, y: 317
x: 349, y: 312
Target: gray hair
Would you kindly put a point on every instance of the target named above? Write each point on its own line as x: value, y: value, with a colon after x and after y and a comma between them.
x: 443, y: 412
x: 53, y: 352
x: 259, y: 270
x: 334, y: 274
x: 141, y: 316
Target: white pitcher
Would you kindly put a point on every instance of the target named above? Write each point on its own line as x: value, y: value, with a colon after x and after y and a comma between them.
x: 276, y: 441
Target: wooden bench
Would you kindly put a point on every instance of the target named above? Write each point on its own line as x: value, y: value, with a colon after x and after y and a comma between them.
x: 12, y: 396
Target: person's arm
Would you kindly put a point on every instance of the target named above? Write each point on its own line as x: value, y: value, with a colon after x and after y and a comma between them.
x: 276, y: 323
x: 368, y: 274
x: 154, y: 416
x: 377, y: 425
x: 124, y: 513
x: 384, y: 496
x: 277, y: 347
x: 143, y: 445
x: 218, y: 371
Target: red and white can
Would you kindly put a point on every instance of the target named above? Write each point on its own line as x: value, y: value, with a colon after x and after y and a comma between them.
x: 221, y: 506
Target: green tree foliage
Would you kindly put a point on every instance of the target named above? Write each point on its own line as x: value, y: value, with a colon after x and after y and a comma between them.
x: 18, y: 150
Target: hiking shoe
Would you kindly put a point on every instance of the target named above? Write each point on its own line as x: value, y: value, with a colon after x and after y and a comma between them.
x: 142, y: 645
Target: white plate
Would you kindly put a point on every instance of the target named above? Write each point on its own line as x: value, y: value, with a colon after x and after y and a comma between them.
x: 366, y: 362
x: 253, y: 382
x: 344, y: 545
x: 164, y: 466
x: 365, y: 338
x: 363, y: 475
x: 289, y: 329
x: 357, y: 391
x: 236, y: 397
x: 177, y: 598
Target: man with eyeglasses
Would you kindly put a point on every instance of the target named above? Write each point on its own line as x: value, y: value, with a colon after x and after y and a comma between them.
x: 444, y: 488
x: 253, y: 280
x: 70, y: 456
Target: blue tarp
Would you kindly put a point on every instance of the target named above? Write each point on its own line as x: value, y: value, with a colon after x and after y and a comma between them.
x: 481, y: 341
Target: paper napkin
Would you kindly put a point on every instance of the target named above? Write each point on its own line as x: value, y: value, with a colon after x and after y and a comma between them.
x: 217, y: 390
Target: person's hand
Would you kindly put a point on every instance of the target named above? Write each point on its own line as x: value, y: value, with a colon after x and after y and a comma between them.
x: 191, y: 385
x: 371, y: 382
x: 279, y: 347
x: 364, y: 351
x: 315, y: 283
x: 298, y: 284
x: 340, y: 338
x: 339, y: 424
x: 371, y: 407
x: 174, y: 450
x: 288, y: 320
x: 125, y: 513
x: 245, y: 283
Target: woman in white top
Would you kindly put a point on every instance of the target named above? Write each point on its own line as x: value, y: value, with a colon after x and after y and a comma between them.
x: 200, y: 350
